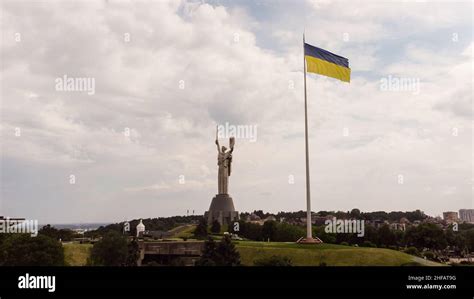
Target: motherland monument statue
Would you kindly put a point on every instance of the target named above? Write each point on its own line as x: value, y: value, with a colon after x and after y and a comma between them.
x: 222, y: 207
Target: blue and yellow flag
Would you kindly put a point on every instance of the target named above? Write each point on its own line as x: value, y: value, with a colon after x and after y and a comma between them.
x: 325, y: 63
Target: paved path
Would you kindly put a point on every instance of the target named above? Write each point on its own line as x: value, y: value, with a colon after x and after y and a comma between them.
x: 426, y: 262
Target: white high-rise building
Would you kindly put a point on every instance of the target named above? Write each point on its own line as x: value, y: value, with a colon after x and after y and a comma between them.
x: 467, y: 215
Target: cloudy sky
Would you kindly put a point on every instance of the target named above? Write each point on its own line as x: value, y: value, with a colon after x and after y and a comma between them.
x: 166, y: 72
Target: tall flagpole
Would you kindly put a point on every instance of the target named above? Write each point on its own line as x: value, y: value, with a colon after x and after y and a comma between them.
x: 309, y: 233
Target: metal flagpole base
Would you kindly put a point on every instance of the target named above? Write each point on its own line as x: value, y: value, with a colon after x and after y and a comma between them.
x: 309, y: 241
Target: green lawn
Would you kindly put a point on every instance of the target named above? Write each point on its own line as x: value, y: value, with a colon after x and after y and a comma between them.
x: 76, y: 254
x: 332, y: 255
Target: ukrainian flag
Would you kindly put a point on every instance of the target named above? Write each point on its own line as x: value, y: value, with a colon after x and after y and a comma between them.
x: 325, y: 63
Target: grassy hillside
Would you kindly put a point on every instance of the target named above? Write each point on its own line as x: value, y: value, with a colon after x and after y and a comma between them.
x: 183, y: 231
x: 76, y: 254
x: 300, y: 255
x: 331, y: 255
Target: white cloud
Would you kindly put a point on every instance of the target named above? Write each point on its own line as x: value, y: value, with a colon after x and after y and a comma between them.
x: 230, y: 74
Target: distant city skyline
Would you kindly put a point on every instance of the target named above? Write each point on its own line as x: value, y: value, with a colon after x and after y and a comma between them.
x: 109, y: 109
x: 464, y: 218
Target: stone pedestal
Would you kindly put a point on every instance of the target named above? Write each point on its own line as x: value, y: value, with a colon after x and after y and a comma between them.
x: 222, y: 209
x: 315, y: 240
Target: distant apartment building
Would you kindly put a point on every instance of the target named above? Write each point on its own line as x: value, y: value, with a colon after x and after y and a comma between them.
x: 398, y: 226
x: 466, y: 215
x: 450, y: 217
x: 255, y: 219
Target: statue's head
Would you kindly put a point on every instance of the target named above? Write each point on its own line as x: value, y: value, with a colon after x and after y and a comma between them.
x: 224, y: 148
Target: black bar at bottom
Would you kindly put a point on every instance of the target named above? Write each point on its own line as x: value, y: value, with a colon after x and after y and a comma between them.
x: 348, y: 282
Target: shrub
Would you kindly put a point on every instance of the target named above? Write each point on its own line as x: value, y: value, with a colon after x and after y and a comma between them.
x: 412, y: 250
x: 429, y: 255
x: 320, y: 232
x: 368, y: 244
x: 274, y: 260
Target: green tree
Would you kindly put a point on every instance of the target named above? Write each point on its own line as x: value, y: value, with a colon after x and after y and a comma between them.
x: 399, y: 235
x: 201, y: 229
x: 56, y: 234
x: 370, y: 234
x: 259, y: 213
x: 415, y: 215
x: 65, y: 235
x: 468, y: 236
x: 269, y: 230
x: 216, y: 227
x: 111, y: 250
x: 426, y: 235
x: 385, y: 236
x: 285, y: 232
x: 24, y: 250
x: 49, y: 231
x: 133, y: 253
x: 227, y: 253
x: 250, y: 231
x: 222, y: 254
x: 355, y: 213
x: 209, y: 254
